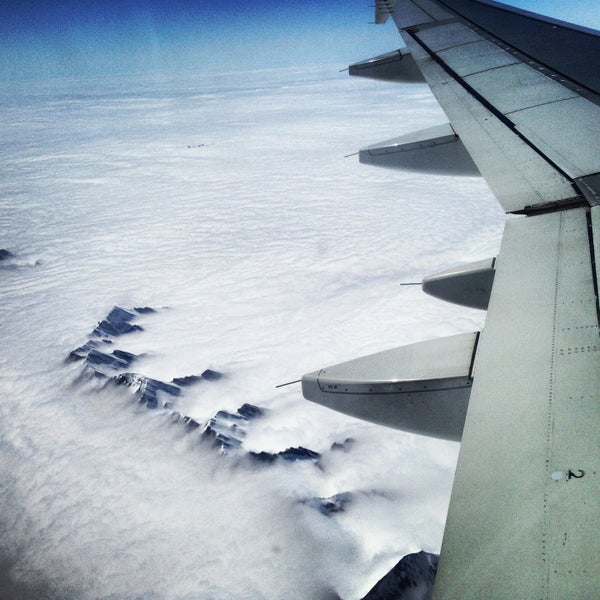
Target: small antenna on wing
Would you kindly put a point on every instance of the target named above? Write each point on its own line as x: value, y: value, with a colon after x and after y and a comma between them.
x: 288, y: 383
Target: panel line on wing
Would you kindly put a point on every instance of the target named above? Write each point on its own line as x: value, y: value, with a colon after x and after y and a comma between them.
x: 484, y: 102
x: 488, y: 69
x: 548, y: 446
x: 520, y: 110
x: 535, y: 62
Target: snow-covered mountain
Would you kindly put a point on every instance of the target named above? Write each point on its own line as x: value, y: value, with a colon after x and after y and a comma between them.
x: 411, y: 579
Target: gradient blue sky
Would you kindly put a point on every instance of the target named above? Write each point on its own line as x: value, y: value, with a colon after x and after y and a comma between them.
x: 105, y: 37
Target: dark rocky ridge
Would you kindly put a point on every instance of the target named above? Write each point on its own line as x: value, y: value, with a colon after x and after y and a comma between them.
x: 118, y: 322
x: 146, y: 389
x: 227, y: 430
x: 344, y: 446
x: 411, y: 579
x: 339, y: 502
x: 208, y: 374
x: 289, y: 454
x: 329, y: 506
x: 106, y: 362
x: 103, y: 361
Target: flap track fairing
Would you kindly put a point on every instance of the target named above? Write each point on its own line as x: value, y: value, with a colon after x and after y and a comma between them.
x: 398, y: 66
x: 422, y: 388
x: 437, y: 150
x: 468, y: 285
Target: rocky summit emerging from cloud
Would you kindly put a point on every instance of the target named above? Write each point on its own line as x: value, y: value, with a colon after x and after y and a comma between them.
x: 104, y: 362
x: 226, y: 430
x: 411, y: 579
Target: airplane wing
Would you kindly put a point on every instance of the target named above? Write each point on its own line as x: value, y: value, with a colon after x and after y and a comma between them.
x: 522, y: 96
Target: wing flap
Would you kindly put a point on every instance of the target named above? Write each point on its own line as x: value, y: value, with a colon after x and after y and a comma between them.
x: 518, y: 175
x: 476, y: 57
x: 500, y: 101
x: 433, y: 150
x: 397, y: 65
x: 468, y: 285
x: 443, y: 36
x: 574, y: 143
x: 557, y: 45
x: 516, y: 87
x: 408, y: 14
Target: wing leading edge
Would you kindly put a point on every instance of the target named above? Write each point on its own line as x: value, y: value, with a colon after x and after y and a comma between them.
x: 521, y: 95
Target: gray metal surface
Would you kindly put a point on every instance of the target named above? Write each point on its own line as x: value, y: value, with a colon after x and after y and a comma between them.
x: 433, y: 8
x: 468, y: 285
x: 499, y: 101
x: 518, y: 176
x: 397, y: 66
x: 433, y: 150
x: 383, y: 10
x: 523, y: 94
x: 405, y: 12
x: 422, y: 388
x: 567, y: 49
x: 476, y: 57
x: 595, y: 218
x: 516, y: 87
x: 573, y: 140
x: 523, y: 516
x: 590, y: 187
x: 448, y: 35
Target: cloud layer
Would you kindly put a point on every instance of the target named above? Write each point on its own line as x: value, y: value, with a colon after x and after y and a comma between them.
x: 226, y: 204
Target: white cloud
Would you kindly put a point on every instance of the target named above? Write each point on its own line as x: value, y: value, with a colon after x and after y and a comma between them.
x: 228, y: 205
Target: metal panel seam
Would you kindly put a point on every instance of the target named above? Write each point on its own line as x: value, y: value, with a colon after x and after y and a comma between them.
x: 590, y: 232
x: 550, y: 414
x: 416, y: 5
x: 518, y: 110
x: 475, y: 344
x: 495, y: 68
x: 482, y: 100
x: 420, y: 391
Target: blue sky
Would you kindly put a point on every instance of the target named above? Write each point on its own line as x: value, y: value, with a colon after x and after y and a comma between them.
x: 105, y: 37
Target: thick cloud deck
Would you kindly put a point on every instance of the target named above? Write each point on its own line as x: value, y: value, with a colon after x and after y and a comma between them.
x: 264, y: 254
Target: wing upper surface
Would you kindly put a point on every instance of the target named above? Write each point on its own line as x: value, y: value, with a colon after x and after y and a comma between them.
x: 532, y: 132
x: 523, y: 515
